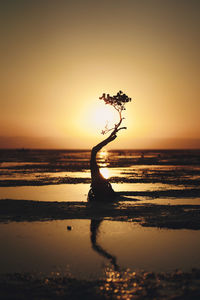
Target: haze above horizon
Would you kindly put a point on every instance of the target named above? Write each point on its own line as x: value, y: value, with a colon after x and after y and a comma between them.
x: 58, y: 57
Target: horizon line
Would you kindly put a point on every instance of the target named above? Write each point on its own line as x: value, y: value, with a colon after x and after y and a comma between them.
x: 89, y: 149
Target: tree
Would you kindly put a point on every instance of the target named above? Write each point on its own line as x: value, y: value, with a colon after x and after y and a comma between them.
x: 101, y: 189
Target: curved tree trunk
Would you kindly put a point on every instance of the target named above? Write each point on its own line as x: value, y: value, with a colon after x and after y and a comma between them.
x: 101, y: 189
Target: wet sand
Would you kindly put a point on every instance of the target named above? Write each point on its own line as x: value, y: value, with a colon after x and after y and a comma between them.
x: 162, y: 216
x: 176, y: 285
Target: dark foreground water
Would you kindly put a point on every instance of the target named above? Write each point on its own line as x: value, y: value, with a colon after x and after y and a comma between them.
x: 152, y: 229
x: 50, y: 247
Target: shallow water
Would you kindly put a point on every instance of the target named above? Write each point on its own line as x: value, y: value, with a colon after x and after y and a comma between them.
x: 61, y: 192
x: 163, y: 201
x: 132, y: 163
x: 79, y: 192
x: 50, y: 247
x: 52, y: 175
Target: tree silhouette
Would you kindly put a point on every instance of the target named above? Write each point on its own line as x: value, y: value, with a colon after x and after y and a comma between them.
x: 101, y: 189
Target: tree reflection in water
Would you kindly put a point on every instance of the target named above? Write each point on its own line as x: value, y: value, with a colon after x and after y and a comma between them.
x: 117, y: 284
x: 94, y: 230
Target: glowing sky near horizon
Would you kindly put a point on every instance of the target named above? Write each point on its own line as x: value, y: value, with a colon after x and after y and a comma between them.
x: 58, y: 57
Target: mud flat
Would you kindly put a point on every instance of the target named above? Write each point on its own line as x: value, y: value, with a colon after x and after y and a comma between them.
x: 117, y: 285
x: 162, y: 216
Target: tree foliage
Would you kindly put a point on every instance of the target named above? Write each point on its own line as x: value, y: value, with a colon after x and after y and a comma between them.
x: 118, y: 101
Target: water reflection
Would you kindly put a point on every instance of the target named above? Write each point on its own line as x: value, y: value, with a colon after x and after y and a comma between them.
x: 105, y: 172
x: 117, y: 283
x: 122, y: 284
x: 94, y: 231
x: 103, y: 154
x: 49, y: 246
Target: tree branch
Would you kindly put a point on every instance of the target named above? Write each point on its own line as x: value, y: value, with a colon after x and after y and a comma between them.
x: 109, y: 139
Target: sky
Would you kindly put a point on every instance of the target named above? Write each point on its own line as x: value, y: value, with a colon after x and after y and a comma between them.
x: 58, y: 57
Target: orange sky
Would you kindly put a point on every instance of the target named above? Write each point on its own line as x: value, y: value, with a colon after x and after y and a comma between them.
x: 58, y: 57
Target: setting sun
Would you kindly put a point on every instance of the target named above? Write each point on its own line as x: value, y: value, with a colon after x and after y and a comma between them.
x: 102, y: 115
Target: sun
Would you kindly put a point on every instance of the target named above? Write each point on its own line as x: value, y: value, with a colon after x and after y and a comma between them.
x: 103, y: 115
x: 93, y: 116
